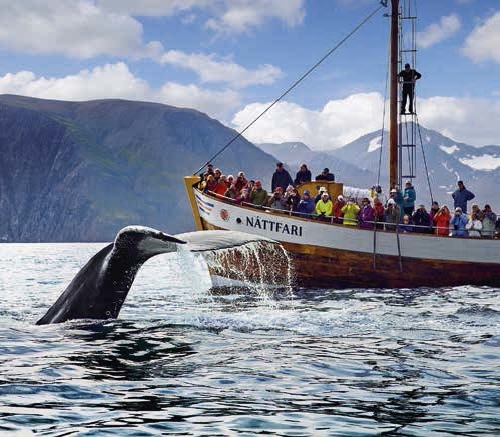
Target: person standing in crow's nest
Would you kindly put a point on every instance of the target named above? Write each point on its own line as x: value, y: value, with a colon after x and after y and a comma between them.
x: 409, y: 76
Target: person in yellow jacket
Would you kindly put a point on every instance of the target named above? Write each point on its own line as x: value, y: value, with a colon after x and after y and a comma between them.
x: 324, y: 207
x: 350, y: 211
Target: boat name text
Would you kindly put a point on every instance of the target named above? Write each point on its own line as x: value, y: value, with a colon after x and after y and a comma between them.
x: 283, y: 228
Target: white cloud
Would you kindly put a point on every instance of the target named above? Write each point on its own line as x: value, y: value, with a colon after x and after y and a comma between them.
x: 241, y: 15
x: 116, y: 81
x: 158, y: 8
x: 483, y: 44
x: 339, y: 122
x: 74, y: 28
x: 468, y: 120
x: 437, y: 32
x: 211, y: 70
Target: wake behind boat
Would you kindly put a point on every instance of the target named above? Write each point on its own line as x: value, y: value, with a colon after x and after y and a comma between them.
x: 328, y: 254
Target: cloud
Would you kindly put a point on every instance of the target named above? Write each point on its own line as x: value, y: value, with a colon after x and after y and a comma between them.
x: 116, y: 81
x: 152, y: 8
x: 240, y: 15
x: 437, y: 32
x: 73, y: 28
x: 336, y: 124
x: 468, y: 120
x: 483, y: 44
x: 211, y: 70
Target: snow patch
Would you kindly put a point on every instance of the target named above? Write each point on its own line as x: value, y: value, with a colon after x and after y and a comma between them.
x: 483, y: 162
x: 375, y: 144
x: 449, y: 150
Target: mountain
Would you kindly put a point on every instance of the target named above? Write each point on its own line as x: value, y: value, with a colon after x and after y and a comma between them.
x: 357, y: 164
x: 80, y: 171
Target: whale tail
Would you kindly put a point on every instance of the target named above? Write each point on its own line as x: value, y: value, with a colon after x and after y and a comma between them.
x: 100, y: 288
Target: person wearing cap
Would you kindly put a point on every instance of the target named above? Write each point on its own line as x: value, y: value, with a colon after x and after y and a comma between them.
x: 281, y: 178
x: 277, y: 201
x: 441, y: 221
x: 350, y: 213
x: 258, y: 196
x: 365, y: 214
x: 306, y: 205
x: 240, y: 182
x: 293, y: 199
x: 325, y: 175
x: 409, y: 197
x: 210, y: 170
x: 378, y: 212
x: 397, y: 195
x: 392, y: 215
x: 303, y: 175
x: 461, y: 196
x: 458, y: 223
x: 422, y: 220
x: 324, y: 207
x: 320, y: 192
x: 243, y: 197
x: 409, y: 77
x: 337, y: 209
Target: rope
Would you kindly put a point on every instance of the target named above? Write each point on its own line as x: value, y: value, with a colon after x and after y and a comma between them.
x: 297, y: 82
x: 424, y: 159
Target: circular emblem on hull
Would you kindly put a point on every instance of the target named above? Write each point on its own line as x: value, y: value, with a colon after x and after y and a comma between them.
x: 224, y: 215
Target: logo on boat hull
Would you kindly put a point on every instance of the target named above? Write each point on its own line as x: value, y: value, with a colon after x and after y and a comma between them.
x: 224, y: 215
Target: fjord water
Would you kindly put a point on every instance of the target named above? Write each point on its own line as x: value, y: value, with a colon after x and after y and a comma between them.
x: 186, y: 361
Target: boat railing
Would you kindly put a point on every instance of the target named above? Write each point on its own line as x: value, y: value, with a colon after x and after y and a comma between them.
x: 338, y: 220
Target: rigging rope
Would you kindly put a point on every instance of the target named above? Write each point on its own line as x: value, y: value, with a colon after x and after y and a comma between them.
x: 424, y: 159
x: 297, y: 82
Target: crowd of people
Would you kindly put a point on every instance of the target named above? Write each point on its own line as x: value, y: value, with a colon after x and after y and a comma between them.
x: 396, y: 213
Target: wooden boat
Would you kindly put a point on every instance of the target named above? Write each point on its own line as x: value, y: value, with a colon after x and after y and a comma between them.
x: 339, y: 256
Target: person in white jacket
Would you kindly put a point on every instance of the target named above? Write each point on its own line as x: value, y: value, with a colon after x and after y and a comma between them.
x: 474, y: 226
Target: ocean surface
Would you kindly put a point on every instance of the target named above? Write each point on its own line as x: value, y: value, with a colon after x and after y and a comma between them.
x: 184, y: 360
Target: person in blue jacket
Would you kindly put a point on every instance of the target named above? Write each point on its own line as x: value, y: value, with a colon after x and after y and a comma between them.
x: 458, y: 222
x: 306, y: 205
x: 461, y: 196
x: 409, y: 197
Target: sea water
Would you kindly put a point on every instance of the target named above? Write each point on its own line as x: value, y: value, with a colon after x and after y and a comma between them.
x: 185, y: 360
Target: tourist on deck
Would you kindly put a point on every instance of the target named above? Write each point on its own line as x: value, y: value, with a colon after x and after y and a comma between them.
x: 378, y: 212
x: 392, y: 215
x: 293, y: 200
x: 320, y: 193
x: 396, y: 195
x: 221, y: 185
x: 406, y: 225
x: 230, y: 180
x: 350, y: 213
x: 324, y: 208
x: 240, y: 182
x: 243, y: 197
x: 474, y: 226
x: 489, y: 220
x: 409, y: 197
x: 461, y: 196
x: 337, y: 209
x: 375, y: 191
x: 434, y: 209
x: 303, y: 175
x: 409, y: 76
x: 474, y: 209
x: 441, y: 221
x: 210, y: 170
x: 276, y: 201
x: 258, y: 196
x: 325, y: 175
x: 210, y: 184
x: 458, y: 222
x: 231, y: 192
x: 217, y: 174
x: 422, y: 220
x: 281, y: 178
x: 365, y: 214
x: 306, y: 205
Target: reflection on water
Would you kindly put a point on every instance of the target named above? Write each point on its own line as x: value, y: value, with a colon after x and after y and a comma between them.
x: 181, y: 360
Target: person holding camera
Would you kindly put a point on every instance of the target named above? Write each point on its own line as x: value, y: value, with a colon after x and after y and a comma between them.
x: 459, y: 223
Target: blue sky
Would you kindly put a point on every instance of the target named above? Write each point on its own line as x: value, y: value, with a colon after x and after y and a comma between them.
x: 229, y: 58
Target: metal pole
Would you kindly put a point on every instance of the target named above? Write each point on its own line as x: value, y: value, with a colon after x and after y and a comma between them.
x: 393, y: 118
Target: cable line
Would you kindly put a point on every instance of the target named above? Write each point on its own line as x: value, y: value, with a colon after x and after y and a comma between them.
x: 297, y: 82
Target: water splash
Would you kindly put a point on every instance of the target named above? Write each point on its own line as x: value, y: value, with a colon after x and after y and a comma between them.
x: 259, y: 267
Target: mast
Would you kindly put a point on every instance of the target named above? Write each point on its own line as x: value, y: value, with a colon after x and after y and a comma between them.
x: 393, y: 97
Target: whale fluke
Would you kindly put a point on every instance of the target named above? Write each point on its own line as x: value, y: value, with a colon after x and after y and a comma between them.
x: 101, y: 286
